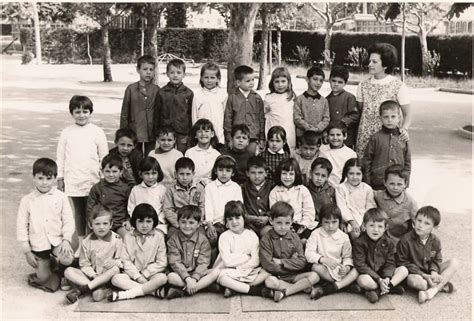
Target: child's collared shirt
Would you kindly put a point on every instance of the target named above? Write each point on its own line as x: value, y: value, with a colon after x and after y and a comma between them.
x: 210, y: 104
x: 310, y: 113
x: 167, y: 161
x: 305, y: 166
x: 133, y: 159
x: 235, y: 249
x: 300, y: 199
x: 79, y: 153
x: 95, y: 252
x: 375, y: 258
x: 241, y: 157
x: 189, y: 256
x: 401, y: 211
x: 343, y: 107
x: 216, y: 197
x: 153, y: 195
x: 139, y: 108
x: 44, y: 220
x: 245, y: 110
x: 144, y: 259
x: 417, y: 257
x: 354, y: 201
x: 257, y: 201
x: 204, y: 160
x: 338, y: 157
x: 175, y: 107
x: 323, y: 195
x: 177, y: 196
x: 273, y: 160
x: 284, y: 248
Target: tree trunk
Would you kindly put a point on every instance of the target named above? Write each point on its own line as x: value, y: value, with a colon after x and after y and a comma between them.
x: 270, y: 51
x: 327, y: 45
x: 424, y: 52
x: 106, y: 56
x: 279, y: 46
x: 142, y: 42
x: 240, y: 38
x: 402, y: 71
x: 37, y: 33
x: 88, y: 49
x: 153, y: 45
x: 263, y: 50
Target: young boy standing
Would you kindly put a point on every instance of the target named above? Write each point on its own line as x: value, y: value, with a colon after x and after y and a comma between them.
x: 311, y: 110
x: 238, y: 149
x: 318, y: 186
x: 374, y: 258
x: 45, y: 226
x: 125, y: 147
x: 245, y: 106
x: 281, y: 254
x: 420, y: 252
x: 175, y: 101
x: 139, y: 107
x: 342, y: 104
x: 385, y: 147
x: 307, y: 153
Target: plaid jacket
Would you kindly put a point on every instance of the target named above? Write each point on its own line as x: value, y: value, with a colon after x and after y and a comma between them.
x: 273, y: 160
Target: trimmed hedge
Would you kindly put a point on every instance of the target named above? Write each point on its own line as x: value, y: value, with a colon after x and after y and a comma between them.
x: 65, y: 45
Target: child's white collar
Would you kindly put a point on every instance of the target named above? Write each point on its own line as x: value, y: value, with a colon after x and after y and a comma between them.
x: 281, y: 151
x: 245, y: 93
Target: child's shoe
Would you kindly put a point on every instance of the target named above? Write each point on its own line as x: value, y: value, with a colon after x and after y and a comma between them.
x: 175, y: 293
x: 372, y: 296
x: 99, y: 294
x: 278, y: 295
x: 112, y: 296
x: 214, y: 288
x: 160, y: 293
x: 228, y: 293
x: 316, y: 293
x: 423, y: 296
x: 73, y: 296
x: 397, y: 289
x: 448, y: 288
x: 267, y: 293
x: 353, y: 288
x: 64, y: 285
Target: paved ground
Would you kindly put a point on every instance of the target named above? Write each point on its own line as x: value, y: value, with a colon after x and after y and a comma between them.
x: 34, y: 110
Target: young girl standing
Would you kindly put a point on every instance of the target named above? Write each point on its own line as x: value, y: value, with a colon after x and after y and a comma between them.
x: 143, y: 257
x: 290, y: 189
x: 353, y: 196
x: 278, y: 104
x: 204, y: 153
x: 209, y: 101
x: 238, y: 255
x: 277, y: 149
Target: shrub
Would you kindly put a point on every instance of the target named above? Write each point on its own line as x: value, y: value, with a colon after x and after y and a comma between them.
x: 27, y: 57
x: 359, y: 58
x: 303, y: 55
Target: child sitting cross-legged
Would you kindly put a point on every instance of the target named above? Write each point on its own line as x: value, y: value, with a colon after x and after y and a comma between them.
x: 330, y: 251
x: 189, y: 256
x: 282, y: 255
x: 99, y: 258
x: 143, y: 257
x: 374, y: 258
x: 420, y: 252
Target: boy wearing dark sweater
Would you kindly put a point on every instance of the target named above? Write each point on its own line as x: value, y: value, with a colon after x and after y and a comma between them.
x: 126, y: 148
x: 240, y: 140
x: 319, y: 188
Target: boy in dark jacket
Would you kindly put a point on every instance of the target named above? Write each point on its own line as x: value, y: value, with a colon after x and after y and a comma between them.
x: 125, y: 147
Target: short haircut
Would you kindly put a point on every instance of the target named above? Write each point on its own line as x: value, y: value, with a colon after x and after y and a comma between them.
x: 375, y: 215
x: 241, y: 71
x: 329, y: 211
x: 112, y: 160
x: 151, y: 164
x: 210, y: 66
x: 351, y: 162
x: 256, y: 161
x: 204, y: 124
x: 323, y: 163
x: 240, y: 127
x: 78, y: 102
x: 389, y: 105
x: 126, y: 132
x: 337, y: 124
x: 165, y: 130
x: 234, y: 209
x: 315, y: 71
x: 388, y: 55
x: 45, y: 166
x: 397, y: 170
x: 146, y: 59
x: 290, y: 164
x: 311, y: 138
x: 190, y: 211
x: 177, y: 63
x: 184, y: 162
x: 431, y: 213
x: 340, y: 72
x: 281, y: 209
x: 143, y: 211
x: 224, y: 161
x: 97, y: 211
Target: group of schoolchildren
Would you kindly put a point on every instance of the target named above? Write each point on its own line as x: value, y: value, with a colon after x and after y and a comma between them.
x: 242, y: 212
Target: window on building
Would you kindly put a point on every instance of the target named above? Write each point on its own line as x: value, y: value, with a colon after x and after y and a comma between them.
x: 469, y: 27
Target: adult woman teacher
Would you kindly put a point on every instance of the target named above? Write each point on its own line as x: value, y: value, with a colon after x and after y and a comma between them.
x: 379, y: 87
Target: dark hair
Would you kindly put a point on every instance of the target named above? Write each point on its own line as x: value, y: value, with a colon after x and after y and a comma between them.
x: 190, y: 211
x: 323, y: 163
x: 375, y: 215
x: 184, y: 162
x: 224, y: 161
x: 329, y: 211
x: 282, y: 72
x: 337, y: 124
x: 278, y: 131
x: 240, y: 127
x: 146, y: 59
x: 204, y: 124
x: 340, y: 72
x: 351, y: 162
x: 126, y: 132
x: 234, y: 209
x: 210, y: 66
x: 178, y: 63
x: 315, y: 71
x: 45, y: 166
x: 143, y: 211
x: 256, y: 161
x: 290, y: 164
x: 281, y: 209
x: 165, y: 130
x: 241, y: 71
x: 112, y: 160
x: 388, y: 55
x: 397, y: 170
x: 311, y: 138
x: 83, y: 102
x: 389, y: 105
x: 97, y: 211
x: 431, y: 213
x: 151, y: 164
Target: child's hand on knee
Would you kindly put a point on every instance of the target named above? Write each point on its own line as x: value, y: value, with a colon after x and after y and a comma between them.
x: 211, y: 231
x: 65, y: 248
x: 31, y: 259
x: 344, y: 270
x: 330, y: 263
x: 436, y: 278
x: 191, y: 286
x: 383, y: 284
x: 355, y: 226
x: 142, y: 280
x: 110, y: 263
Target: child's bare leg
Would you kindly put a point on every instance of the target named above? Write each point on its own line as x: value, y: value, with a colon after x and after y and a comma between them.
x: 76, y: 276
x: 237, y: 286
x: 302, y: 282
x: 416, y: 281
x: 347, y: 279
x: 175, y: 280
x: 103, y: 278
x: 262, y: 275
x: 366, y: 282
x: 322, y: 272
x: 399, y: 275
x: 208, y: 279
x: 448, y: 268
x: 135, y: 289
x: 156, y: 281
x: 123, y: 281
x: 272, y: 282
